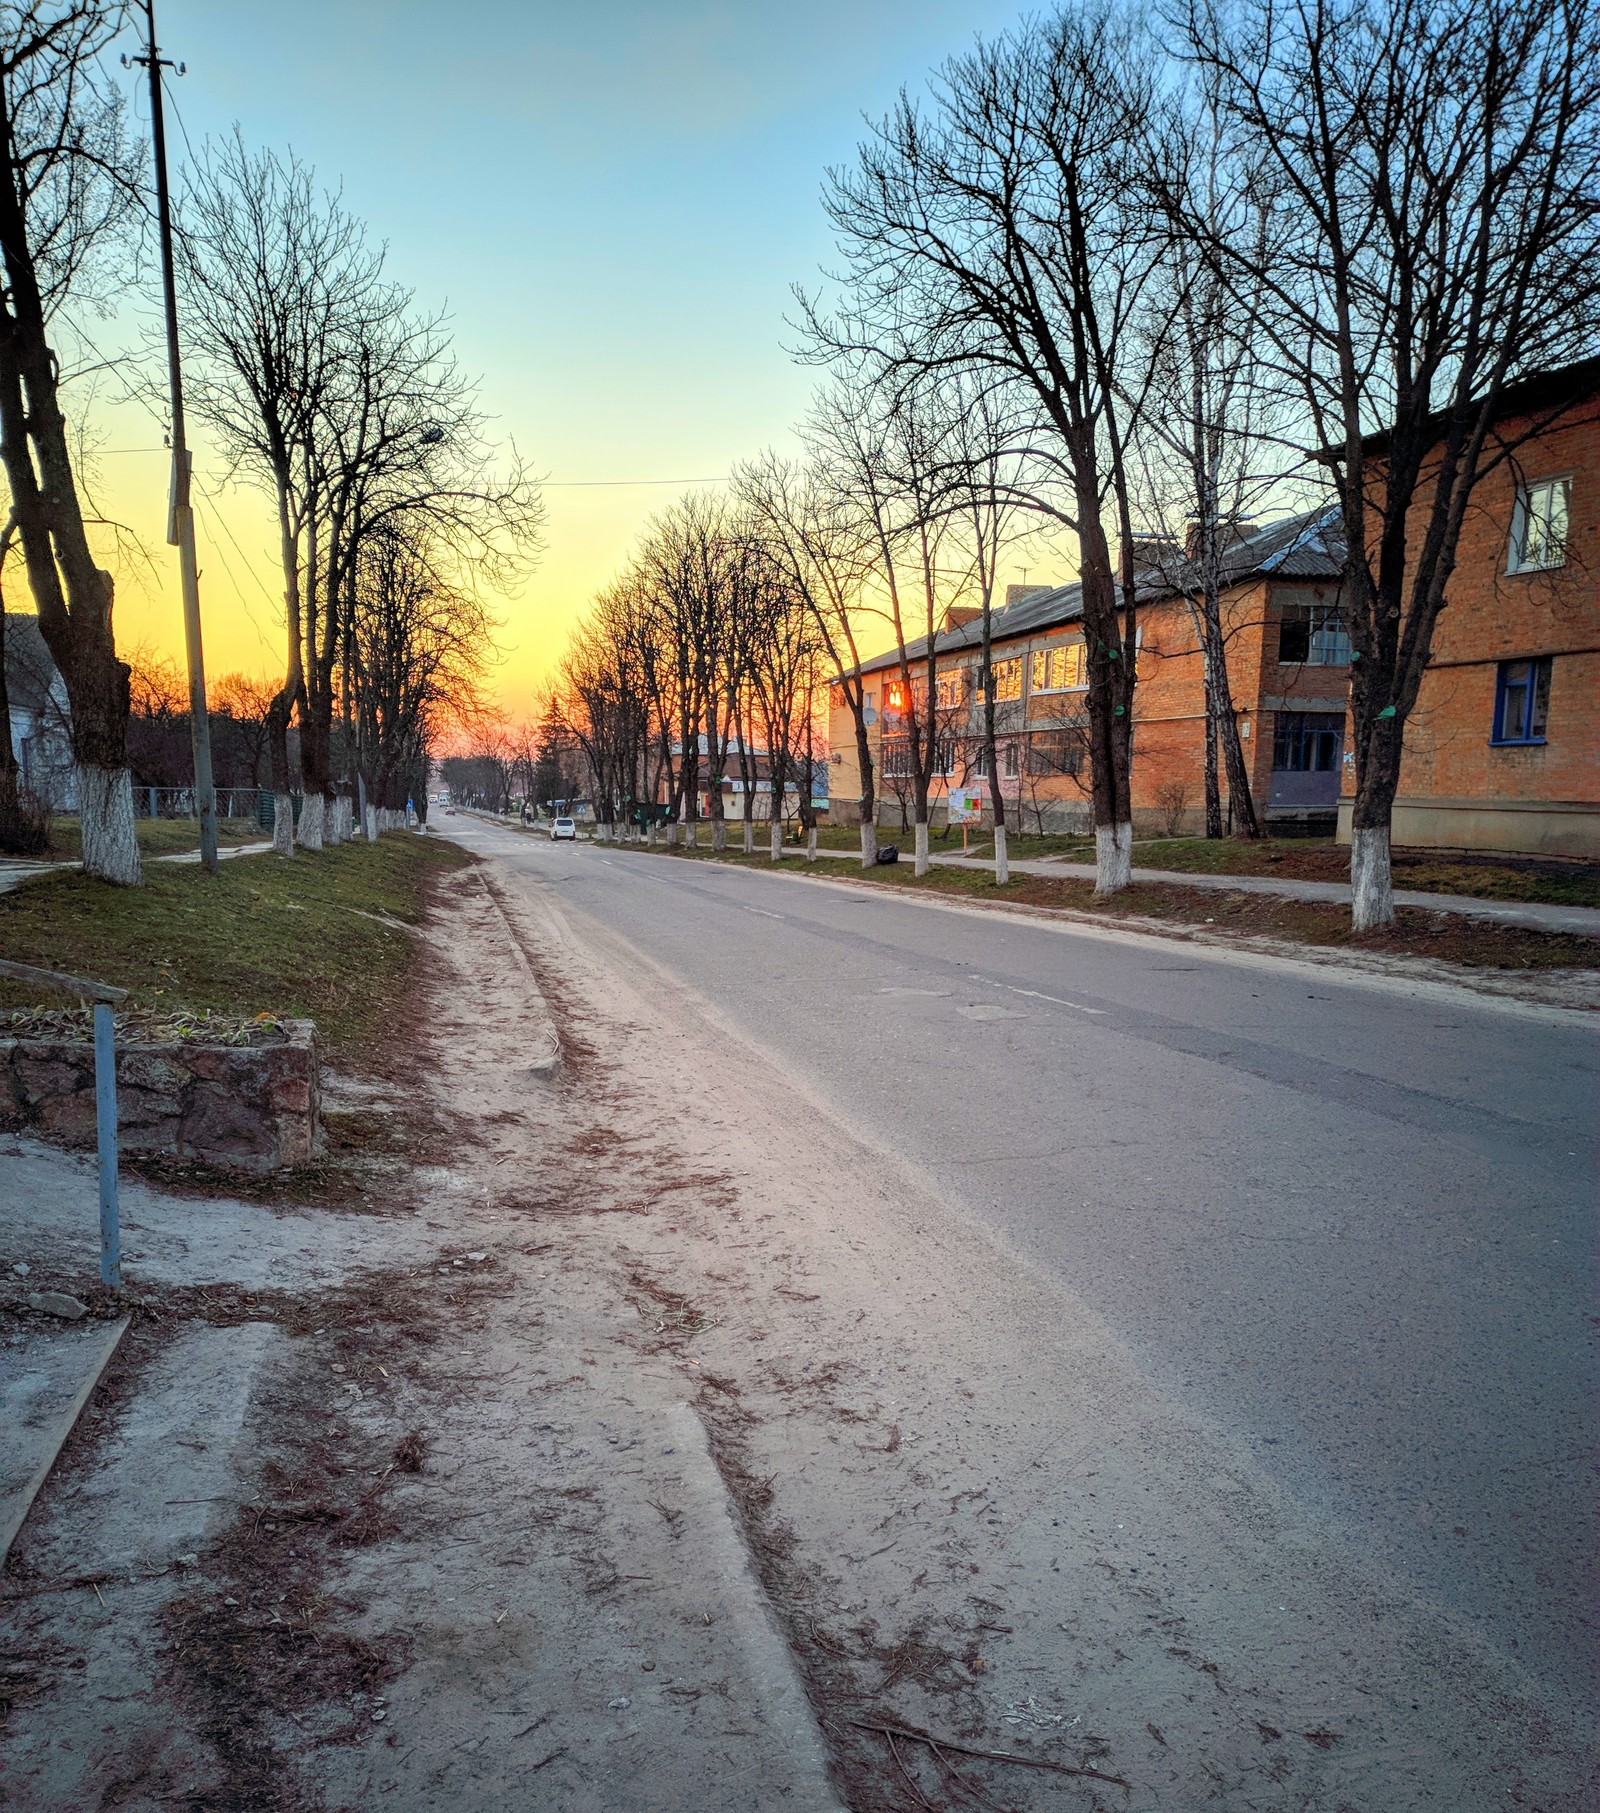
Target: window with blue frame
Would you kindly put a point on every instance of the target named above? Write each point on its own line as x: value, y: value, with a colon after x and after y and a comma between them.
x: 1306, y: 742
x: 1522, y: 701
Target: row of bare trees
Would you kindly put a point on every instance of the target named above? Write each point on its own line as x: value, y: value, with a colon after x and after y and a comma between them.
x: 321, y: 382
x: 700, y: 665
x: 1169, y: 269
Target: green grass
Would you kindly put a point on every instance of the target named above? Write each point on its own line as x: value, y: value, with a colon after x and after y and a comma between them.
x: 262, y: 935
x: 157, y: 836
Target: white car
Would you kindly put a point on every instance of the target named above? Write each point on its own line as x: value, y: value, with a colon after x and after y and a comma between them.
x: 564, y: 827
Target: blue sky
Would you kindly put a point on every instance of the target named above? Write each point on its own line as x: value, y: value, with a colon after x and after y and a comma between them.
x: 612, y: 198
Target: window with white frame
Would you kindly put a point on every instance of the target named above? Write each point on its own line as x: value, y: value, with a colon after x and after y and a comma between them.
x: 1058, y: 669
x: 1312, y: 630
x: 1009, y: 761
x: 1539, y: 526
x: 1007, y: 680
x: 950, y: 690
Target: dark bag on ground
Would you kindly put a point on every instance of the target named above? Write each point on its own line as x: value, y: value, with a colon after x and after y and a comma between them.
x: 888, y: 852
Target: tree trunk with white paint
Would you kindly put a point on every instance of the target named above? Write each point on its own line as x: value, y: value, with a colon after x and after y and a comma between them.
x: 921, y: 834
x: 811, y: 844
x: 749, y: 837
x: 309, y: 830
x: 777, y: 840
x: 105, y: 814
x: 869, y: 844
x: 719, y: 834
x: 1002, y: 862
x: 1113, y: 852
x: 1371, y: 879
x: 283, y: 823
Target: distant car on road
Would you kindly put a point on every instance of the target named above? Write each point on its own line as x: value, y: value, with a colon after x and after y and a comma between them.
x: 449, y: 811
x: 564, y: 827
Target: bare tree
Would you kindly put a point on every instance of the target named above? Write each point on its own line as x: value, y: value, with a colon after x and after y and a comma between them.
x: 996, y: 229
x: 275, y: 275
x: 812, y: 521
x: 65, y: 187
x: 882, y: 444
x: 1431, y: 172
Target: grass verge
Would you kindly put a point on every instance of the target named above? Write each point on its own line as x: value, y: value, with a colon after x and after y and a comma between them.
x: 305, y: 938
x: 156, y: 836
x: 1452, y: 937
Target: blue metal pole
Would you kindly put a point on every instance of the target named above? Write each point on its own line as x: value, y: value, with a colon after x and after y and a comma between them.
x: 105, y: 1104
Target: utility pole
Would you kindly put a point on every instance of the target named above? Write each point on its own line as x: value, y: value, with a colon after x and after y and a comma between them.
x: 180, y: 522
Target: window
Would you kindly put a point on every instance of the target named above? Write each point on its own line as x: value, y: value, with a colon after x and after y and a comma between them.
x: 1007, y: 680
x: 1055, y: 752
x: 1522, y: 701
x: 1010, y: 759
x: 980, y: 762
x: 1306, y: 742
x: 897, y: 760
x: 950, y: 690
x: 1057, y: 669
x: 1312, y: 631
x: 1539, y: 529
x: 944, y: 757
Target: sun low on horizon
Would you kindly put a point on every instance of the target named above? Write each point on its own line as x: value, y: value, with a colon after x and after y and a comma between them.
x: 612, y: 205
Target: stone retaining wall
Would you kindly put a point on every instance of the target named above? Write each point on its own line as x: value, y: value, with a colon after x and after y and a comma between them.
x: 247, y: 1108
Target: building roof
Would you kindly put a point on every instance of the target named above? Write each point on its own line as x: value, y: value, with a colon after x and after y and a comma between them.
x: 1549, y: 393
x: 1309, y: 546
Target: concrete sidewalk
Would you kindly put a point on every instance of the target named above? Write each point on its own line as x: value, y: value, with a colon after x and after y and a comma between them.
x: 17, y: 869
x: 1584, y: 921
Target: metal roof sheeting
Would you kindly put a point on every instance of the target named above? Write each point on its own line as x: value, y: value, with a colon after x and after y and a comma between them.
x: 1307, y: 546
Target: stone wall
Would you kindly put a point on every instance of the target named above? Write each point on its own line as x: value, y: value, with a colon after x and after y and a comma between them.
x: 247, y: 1108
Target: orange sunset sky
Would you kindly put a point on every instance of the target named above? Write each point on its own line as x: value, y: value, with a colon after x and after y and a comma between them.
x: 612, y: 201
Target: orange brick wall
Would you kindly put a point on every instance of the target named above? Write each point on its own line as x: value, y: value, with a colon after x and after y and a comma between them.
x: 1458, y: 789
x: 1169, y: 709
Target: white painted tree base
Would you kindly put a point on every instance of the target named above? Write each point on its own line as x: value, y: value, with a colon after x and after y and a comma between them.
x: 1002, y: 862
x: 283, y: 824
x: 811, y: 844
x: 309, y: 830
x: 921, y: 867
x: 869, y: 844
x: 777, y: 840
x: 1113, y: 856
x: 105, y: 813
x: 749, y: 838
x: 1371, y: 879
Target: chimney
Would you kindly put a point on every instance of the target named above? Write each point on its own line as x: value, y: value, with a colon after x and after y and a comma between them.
x: 1016, y: 593
x: 1153, y: 554
x: 956, y: 615
x: 1235, y: 529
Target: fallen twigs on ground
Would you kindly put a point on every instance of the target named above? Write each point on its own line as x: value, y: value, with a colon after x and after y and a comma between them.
x: 896, y: 1734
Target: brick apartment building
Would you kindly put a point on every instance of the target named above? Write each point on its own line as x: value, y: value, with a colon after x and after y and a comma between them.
x: 1503, y: 749
x: 1288, y: 667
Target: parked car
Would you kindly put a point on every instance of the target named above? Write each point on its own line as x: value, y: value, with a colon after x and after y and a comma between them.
x: 564, y: 827
x: 449, y: 811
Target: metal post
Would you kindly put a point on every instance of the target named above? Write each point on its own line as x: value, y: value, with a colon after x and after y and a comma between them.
x: 105, y: 1105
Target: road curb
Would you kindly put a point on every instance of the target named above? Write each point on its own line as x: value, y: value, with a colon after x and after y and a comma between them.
x: 769, y: 1663
x: 18, y: 1515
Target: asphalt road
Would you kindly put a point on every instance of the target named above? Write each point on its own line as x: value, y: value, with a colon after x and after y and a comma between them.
x: 1353, y: 1224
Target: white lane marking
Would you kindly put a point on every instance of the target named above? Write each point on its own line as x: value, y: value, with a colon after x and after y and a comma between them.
x: 984, y: 1011
x: 1034, y: 994
x: 762, y: 911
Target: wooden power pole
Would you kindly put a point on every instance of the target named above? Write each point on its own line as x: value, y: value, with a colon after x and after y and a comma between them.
x: 180, y: 522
